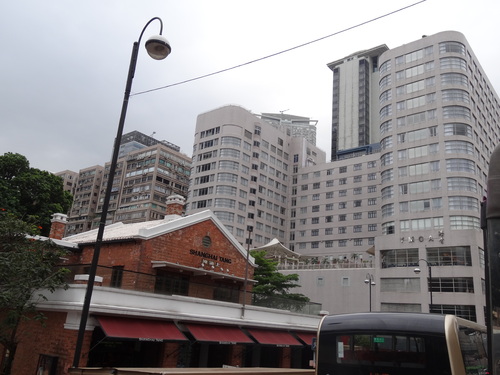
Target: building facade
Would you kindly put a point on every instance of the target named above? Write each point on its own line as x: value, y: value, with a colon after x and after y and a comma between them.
x: 405, y: 195
x: 439, y: 123
x: 355, y: 98
x: 70, y: 179
x: 169, y: 293
x: 83, y: 209
x: 148, y: 171
x: 242, y: 171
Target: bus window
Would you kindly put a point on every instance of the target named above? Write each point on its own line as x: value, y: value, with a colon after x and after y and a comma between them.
x: 473, y: 348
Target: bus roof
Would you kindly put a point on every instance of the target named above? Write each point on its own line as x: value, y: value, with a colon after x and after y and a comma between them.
x: 384, y: 322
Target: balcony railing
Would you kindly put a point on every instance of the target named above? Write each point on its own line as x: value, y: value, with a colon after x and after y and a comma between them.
x: 320, y: 265
x: 182, y: 286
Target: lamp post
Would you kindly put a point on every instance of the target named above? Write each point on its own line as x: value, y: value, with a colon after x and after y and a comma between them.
x: 158, y: 48
x: 370, y: 281
x: 417, y: 271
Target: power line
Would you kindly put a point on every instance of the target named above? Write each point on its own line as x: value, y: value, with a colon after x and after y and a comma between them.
x: 280, y: 52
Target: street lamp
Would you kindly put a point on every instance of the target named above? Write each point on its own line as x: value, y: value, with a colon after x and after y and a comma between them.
x: 417, y: 271
x: 158, y: 48
x: 370, y: 281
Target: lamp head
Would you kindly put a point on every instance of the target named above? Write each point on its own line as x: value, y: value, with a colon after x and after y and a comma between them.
x: 158, y: 47
x: 367, y: 281
x: 417, y: 270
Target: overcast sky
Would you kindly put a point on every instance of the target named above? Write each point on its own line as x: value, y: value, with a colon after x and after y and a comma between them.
x: 64, y: 64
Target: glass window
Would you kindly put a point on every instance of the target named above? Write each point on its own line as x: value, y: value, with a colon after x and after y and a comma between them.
x: 452, y: 47
x: 453, y: 63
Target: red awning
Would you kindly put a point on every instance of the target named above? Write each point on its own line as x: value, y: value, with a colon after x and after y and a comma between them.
x: 279, y: 338
x: 220, y: 334
x: 142, y: 329
x: 307, y: 337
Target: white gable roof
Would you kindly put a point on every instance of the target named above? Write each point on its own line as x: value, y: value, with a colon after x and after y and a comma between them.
x: 150, y: 229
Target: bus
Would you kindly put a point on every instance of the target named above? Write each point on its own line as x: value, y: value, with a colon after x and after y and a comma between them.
x: 380, y: 343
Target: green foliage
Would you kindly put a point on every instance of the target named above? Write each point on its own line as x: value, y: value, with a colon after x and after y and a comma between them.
x: 28, y: 264
x: 272, y: 288
x: 31, y: 193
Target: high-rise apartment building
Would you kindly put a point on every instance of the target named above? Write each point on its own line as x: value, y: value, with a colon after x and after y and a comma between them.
x: 242, y: 170
x: 406, y: 186
x: 147, y: 173
x: 84, y: 206
x: 69, y: 180
x: 355, y: 96
x: 439, y: 123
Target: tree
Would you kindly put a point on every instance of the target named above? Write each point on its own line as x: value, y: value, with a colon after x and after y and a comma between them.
x: 28, y: 265
x: 31, y: 193
x: 272, y: 288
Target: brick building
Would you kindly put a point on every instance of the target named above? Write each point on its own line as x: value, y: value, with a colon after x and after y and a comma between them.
x: 168, y: 293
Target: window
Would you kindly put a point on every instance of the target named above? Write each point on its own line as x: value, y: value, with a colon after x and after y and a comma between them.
x: 454, y: 79
x: 462, y: 183
x: 463, y: 203
x: 457, y: 129
x: 224, y: 202
x: 453, y: 63
x: 460, y: 165
x: 116, y: 276
x: 449, y: 256
x: 452, y: 284
x: 459, y: 147
x: 387, y: 192
x: 456, y: 111
x: 464, y: 222
x: 399, y: 258
x: 230, y: 141
x: 452, y: 47
x: 388, y: 210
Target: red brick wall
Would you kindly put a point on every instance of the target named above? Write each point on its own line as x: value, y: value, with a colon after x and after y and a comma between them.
x: 176, y: 247
x: 172, y: 247
x: 57, y: 230
x: 49, y: 339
